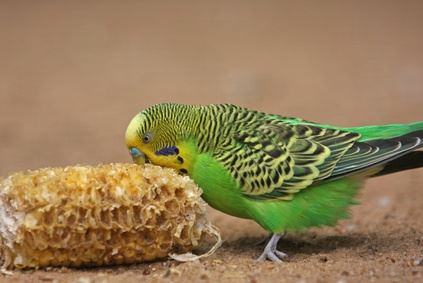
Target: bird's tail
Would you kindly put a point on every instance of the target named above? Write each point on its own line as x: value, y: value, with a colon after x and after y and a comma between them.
x: 408, y: 161
x: 392, y: 148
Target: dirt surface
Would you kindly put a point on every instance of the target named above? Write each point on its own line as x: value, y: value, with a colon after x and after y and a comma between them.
x: 72, y: 75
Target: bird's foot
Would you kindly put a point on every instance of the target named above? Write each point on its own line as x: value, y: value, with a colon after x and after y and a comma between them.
x: 270, y: 251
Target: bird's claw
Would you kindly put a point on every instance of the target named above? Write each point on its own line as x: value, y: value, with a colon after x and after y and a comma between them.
x: 270, y: 251
x: 280, y: 254
x: 275, y: 256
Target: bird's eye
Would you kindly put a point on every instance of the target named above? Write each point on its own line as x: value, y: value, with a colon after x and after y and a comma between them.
x: 146, y: 138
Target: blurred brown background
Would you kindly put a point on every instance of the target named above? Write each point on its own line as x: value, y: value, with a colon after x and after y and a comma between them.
x: 73, y: 73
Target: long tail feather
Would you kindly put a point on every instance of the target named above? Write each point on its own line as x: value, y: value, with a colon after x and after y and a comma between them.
x: 409, y: 161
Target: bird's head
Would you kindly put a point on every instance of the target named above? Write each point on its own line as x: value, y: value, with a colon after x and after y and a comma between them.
x: 154, y: 134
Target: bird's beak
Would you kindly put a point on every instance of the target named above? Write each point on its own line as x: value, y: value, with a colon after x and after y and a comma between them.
x: 138, y: 156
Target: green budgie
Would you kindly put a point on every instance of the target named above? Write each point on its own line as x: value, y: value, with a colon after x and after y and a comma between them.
x: 286, y: 174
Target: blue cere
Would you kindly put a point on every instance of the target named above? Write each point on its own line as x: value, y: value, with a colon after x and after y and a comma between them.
x: 135, y: 152
x: 172, y: 150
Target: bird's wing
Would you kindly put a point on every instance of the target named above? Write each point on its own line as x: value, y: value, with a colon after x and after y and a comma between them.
x: 276, y: 160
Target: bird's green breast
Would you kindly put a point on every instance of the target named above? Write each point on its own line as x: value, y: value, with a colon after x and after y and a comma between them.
x: 219, y: 188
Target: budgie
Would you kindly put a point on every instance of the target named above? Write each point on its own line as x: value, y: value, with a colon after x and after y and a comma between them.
x: 286, y: 174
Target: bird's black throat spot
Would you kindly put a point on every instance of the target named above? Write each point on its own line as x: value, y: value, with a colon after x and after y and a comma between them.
x: 180, y: 159
x: 183, y: 170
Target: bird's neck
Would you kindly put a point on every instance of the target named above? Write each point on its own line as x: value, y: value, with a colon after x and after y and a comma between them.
x: 206, y: 127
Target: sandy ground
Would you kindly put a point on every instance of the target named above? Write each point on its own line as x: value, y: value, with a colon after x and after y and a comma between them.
x: 72, y: 75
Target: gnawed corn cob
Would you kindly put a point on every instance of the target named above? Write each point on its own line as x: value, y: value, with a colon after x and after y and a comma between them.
x: 109, y: 214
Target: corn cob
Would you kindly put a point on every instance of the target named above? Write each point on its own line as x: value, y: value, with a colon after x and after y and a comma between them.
x: 108, y: 214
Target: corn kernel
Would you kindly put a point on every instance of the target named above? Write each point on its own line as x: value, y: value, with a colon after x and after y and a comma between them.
x: 90, y: 216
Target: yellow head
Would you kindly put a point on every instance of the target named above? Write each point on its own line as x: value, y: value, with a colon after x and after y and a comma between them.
x: 158, y: 135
